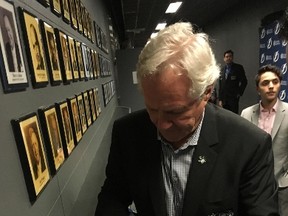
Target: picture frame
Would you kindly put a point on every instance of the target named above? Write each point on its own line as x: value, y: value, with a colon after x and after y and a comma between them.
x: 51, y: 51
x: 73, y: 14
x: 95, y: 66
x: 83, y: 18
x: 97, y: 101
x: 45, y: 3
x: 34, y: 48
x: 79, y: 15
x: 64, y: 56
x: 80, y: 60
x: 52, y: 137
x: 90, y: 63
x: 92, y: 105
x: 12, y: 67
x: 65, y: 10
x: 32, y: 155
x: 87, y: 108
x: 98, y: 35
x: 85, y: 61
x: 65, y: 126
x: 76, y: 123
x: 55, y: 6
x: 73, y: 59
x: 83, y: 118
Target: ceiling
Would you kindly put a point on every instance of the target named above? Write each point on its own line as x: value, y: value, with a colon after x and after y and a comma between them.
x: 135, y: 20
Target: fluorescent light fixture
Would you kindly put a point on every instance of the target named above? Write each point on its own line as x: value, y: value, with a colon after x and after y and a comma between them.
x: 161, y: 26
x: 173, y: 7
x: 154, y: 34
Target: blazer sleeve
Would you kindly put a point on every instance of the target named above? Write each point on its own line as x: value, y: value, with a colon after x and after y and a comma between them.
x: 258, y: 188
x: 243, y: 80
x: 114, y: 197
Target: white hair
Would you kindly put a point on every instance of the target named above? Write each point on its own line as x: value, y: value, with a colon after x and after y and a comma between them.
x: 186, y: 52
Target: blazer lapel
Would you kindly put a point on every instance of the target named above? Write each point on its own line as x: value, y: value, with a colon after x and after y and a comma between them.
x: 202, y: 164
x: 280, y: 113
x: 255, y: 114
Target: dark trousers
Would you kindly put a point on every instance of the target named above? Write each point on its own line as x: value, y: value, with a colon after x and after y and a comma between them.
x: 232, y: 104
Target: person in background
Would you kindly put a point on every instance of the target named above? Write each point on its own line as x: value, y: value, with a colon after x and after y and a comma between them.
x: 11, y: 48
x: 232, y: 83
x: 182, y: 155
x: 271, y: 115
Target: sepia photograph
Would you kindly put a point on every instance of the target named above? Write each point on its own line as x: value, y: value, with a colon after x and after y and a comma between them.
x: 74, y: 113
x: 51, y: 53
x: 52, y: 137
x: 82, y: 115
x: 65, y: 126
x: 13, y: 72
x: 80, y: 60
x: 34, y: 48
x: 31, y: 152
x: 97, y: 101
x: 92, y: 104
x: 64, y: 57
x: 87, y: 108
x: 65, y: 10
x: 73, y: 58
x: 56, y: 7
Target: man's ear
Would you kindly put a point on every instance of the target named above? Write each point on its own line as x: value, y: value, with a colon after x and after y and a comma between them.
x: 208, y: 92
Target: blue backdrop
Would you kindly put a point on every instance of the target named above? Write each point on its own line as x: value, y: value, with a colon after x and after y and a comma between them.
x: 273, y: 51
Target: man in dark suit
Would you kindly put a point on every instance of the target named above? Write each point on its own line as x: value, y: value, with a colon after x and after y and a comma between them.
x: 11, y: 48
x: 232, y: 83
x: 184, y: 156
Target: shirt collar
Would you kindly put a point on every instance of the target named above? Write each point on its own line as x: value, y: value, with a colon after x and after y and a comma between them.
x: 274, y: 108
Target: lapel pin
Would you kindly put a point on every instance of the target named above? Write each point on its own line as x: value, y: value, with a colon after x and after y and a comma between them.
x: 202, y: 159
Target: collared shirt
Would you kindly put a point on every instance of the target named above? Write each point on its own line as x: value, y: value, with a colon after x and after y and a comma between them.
x: 175, y: 168
x: 267, y: 117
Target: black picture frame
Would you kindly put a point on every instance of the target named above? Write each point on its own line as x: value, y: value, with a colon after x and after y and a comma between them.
x: 45, y: 3
x: 73, y: 59
x: 55, y: 6
x: 97, y: 35
x: 81, y: 107
x: 87, y: 108
x: 12, y: 69
x: 65, y: 126
x: 32, y: 155
x: 52, y: 137
x: 51, y: 52
x: 73, y: 14
x: 80, y: 60
x: 65, y: 10
x: 86, y: 61
x: 97, y: 101
x: 76, y: 123
x: 92, y: 105
x: 64, y: 56
x: 34, y: 48
x: 79, y: 16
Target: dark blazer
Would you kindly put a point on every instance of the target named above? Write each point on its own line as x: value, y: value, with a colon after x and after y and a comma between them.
x: 237, y: 176
x: 10, y: 58
x: 234, y: 85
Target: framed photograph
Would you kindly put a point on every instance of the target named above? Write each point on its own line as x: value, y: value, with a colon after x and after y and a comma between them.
x: 87, y: 108
x: 65, y: 10
x: 86, y: 61
x: 94, y: 61
x: 92, y: 104
x: 80, y: 60
x: 13, y: 73
x: 73, y: 14
x: 55, y: 7
x: 51, y: 52
x: 45, y: 3
x: 34, y: 48
x: 79, y: 15
x: 82, y: 114
x: 97, y: 101
x: 52, y: 137
x: 83, y: 18
x: 97, y: 35
x: 31, y: 152
x: 74, y: 113
x: 73, y: 58
x: 104, y: 41
x: 90, y: 63
x: 65, y: 127
x: 64, y: 56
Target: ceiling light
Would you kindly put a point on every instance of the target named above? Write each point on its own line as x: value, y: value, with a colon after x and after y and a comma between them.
x: 161, y: 26
x: 173, y: 7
